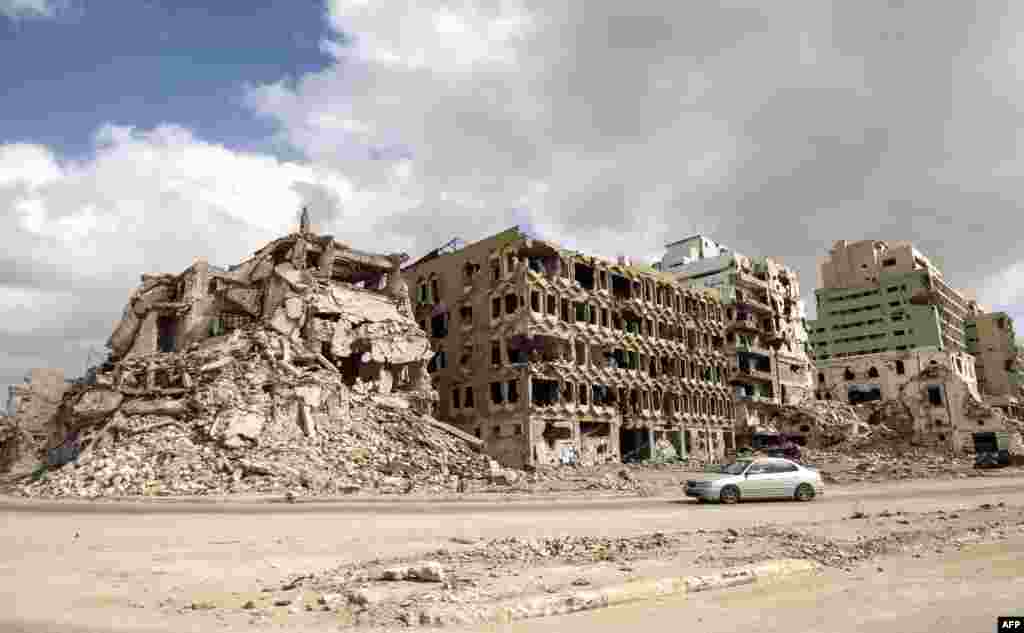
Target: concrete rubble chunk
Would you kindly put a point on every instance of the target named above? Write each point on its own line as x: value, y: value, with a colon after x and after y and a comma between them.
x: 428, y: 571
x: 305, y: 378
x: 96, y: 403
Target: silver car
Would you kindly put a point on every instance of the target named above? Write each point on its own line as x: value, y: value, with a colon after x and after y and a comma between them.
x: 768, y: 478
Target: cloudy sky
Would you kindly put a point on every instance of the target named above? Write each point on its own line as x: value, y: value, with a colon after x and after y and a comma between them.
x: 136, y: 135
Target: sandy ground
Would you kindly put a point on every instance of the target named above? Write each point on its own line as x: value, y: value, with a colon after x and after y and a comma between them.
x: 962, y: 591
x: 126, y: 566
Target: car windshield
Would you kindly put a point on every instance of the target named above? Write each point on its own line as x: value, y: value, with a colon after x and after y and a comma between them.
x: 735, y: 468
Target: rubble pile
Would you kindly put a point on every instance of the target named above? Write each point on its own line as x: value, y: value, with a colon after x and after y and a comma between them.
x: 247, y: 421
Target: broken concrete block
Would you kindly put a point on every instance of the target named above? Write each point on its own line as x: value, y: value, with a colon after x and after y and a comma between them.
x: 294, y: 308
x: 163, y: 406
x: 97, y: 403
x: 428, y: 571
x: 243, y: 425
x: 282, y: 323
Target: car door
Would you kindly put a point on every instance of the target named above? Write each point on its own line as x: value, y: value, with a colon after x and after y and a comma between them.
x: 756, y: 483
x: 785, y: 478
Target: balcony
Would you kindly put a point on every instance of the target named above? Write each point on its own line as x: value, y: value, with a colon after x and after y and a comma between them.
x: 755, y: 303
x: 738, y: 374
x: 748, y: 278
x: 743, y: 323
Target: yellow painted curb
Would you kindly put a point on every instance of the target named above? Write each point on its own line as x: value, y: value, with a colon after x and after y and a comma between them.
x: 584, y: 600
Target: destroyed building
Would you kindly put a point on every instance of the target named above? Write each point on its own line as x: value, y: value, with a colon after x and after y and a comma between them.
x: 31, y: 406
x: 890, y: 331
x: 336, y: 306
x: 554, y: 356
x: 999, y: 361
x: 765, y: 337
x: 300, y: 369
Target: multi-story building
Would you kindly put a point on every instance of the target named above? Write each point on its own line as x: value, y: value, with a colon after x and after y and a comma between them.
x: 998, y: 362
x: 555, y: 356
x: 874, y: 297
x: 765, y: 336
x: 889, y: 329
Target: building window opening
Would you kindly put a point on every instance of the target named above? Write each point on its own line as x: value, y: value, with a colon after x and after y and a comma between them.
x: 466, y: 315
x: 495, y: 353
x: 455, y: 399
x: 495, y: 270
x: 565, y: 310
x: 847, y: 374
x: 516, y: 355
x: 469, y: 397
x: 935, y: 395
x: 621, y: 288
x: 552, y: 305
x: 864, y: 393
x: 604, y: 317
x: 167, y: 329
x: 439, y: 325
x: 582, y: 391
x: 511, y: 304
x: 545, y: 392
x: 513, y: 391
x: 585, y: 276
x: 497, y: 397
x: 873, y: 373
x: 495, y: 307
x: 535, y: 301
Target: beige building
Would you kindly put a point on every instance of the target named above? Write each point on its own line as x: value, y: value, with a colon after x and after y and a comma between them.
x: 554, y: 356
x: 998, y: 360
x: 930, y: 392
x: 765, y: 336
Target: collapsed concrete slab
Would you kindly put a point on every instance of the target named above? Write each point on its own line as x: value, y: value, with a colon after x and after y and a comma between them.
x: 299, y: 370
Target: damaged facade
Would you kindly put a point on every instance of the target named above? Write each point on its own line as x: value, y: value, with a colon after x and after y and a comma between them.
x: 553, y: 356
x: 336, y: 307
x: 764, y: 315
x: 890, y: 333
x: 999, y: 361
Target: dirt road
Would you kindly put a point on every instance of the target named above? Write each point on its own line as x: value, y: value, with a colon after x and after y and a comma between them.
x: 105, y: 565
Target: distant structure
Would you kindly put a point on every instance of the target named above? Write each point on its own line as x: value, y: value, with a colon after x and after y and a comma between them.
x: 764, y: 315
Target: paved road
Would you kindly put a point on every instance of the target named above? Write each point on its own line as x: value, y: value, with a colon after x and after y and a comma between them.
x: 150, y: 552
x: 962, y: 592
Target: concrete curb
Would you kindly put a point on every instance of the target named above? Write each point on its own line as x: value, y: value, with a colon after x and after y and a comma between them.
x: 584, y: 600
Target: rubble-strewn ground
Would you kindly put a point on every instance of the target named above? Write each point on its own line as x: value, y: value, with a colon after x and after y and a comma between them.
x: 468, y: 575
x: 252, y: 423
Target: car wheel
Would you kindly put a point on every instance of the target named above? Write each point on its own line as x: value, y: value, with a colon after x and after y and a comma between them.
x: 804, y: 492
x: 729, y: 494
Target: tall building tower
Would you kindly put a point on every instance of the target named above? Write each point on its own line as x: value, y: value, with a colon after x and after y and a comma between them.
x: 765, y: 337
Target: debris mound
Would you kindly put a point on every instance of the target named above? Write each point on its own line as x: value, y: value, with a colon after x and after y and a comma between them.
x: 246, y: 424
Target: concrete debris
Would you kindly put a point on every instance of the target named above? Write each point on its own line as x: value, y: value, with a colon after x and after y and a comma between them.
x: 299, y: 371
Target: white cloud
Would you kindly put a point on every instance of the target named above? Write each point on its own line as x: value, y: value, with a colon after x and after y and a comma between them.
x: 1004, y: 288
x: 31, y: 8
x: 79, y: 233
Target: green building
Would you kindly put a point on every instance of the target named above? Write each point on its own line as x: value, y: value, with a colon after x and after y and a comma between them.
x: 894, y: 315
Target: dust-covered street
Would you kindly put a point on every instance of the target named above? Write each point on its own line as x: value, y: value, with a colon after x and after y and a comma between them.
x: 180, y: 566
